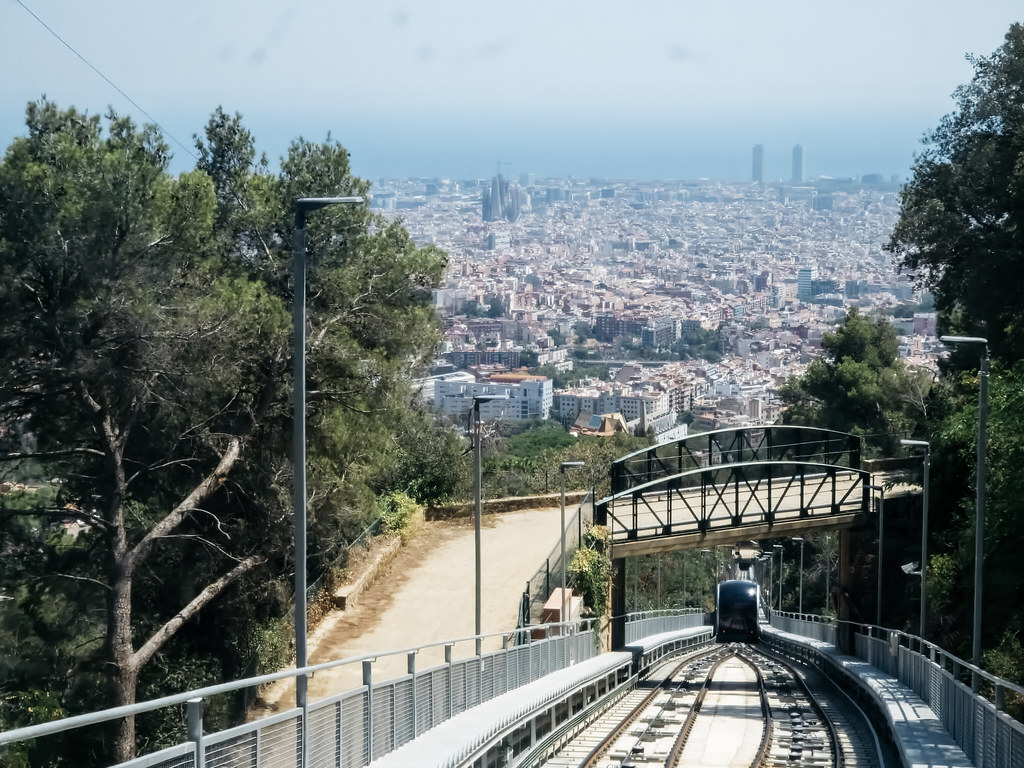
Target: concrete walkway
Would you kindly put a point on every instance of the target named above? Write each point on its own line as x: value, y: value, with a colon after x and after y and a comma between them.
x: 428, y: 595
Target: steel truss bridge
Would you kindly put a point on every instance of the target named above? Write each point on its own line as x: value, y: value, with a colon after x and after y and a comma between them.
x: 749, y: 483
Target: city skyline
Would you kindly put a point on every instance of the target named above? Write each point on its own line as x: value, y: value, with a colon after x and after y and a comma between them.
x: 661, y: 90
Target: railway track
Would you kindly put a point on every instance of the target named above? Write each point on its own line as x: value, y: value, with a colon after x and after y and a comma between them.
x: 735, y: 706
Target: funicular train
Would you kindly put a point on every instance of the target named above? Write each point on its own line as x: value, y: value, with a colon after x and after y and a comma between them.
x: 737, y: 604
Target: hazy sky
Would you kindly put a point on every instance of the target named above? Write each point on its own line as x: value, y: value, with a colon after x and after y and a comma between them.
x: 556, y: 87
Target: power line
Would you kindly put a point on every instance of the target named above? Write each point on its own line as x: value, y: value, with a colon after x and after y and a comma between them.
x: 106, y: 79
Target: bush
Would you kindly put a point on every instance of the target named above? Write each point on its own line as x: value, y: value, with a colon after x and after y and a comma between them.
x: 589, y: 570
x: 396, y: 511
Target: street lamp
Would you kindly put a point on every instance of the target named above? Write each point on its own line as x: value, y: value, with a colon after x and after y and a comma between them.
x: 302, y: 207
x: 924, y: 524
x: 800, y: 605
x: 770, y: 557
x: 477, y: 475
x: 561, y: 470
x: 881, y: 532
x: 979, y: 525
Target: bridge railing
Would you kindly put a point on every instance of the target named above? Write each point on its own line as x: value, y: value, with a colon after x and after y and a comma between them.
x: 970, y: 703
x: 735, y: 446
x: 806, y: 624
x: 733, y: 495
x: 353, y: 727
x: 648, y: 623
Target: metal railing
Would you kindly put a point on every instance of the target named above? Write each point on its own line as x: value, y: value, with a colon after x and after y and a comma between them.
x: 549, y: 576
x: 649, y: 623
x: 973, y: 713
x: 807, y: 624
x: 354, y: 727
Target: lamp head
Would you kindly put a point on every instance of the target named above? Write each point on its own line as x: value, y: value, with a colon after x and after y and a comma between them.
x: 569, y: 465
x: 963, y: 340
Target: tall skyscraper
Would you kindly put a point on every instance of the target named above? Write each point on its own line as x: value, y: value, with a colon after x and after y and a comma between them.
x: 798, y: 164
x: 757, y: 173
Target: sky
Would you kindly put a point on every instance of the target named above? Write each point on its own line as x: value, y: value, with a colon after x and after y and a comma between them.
x: 651, y: 89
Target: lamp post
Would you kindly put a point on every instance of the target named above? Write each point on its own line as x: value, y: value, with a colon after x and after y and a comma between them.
x: 561, y: 470
x: 771, y: 574
x: 881, y: 532
x: 302, y: 206
x: 477, y: 482
x: 924, y: 525
x: 800, y: 604
x: 979, y: 525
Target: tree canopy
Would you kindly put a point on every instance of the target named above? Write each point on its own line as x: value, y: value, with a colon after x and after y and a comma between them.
x: 859, y: 385
x: 145, y: 354
x: 962, y: 213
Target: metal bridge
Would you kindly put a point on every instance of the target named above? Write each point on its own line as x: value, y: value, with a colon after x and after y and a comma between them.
x: 749, y: 483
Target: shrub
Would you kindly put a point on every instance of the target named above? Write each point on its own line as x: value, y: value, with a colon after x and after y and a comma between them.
x: 396, y: 511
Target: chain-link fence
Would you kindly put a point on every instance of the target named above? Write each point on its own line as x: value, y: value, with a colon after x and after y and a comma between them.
x: 548, y: 577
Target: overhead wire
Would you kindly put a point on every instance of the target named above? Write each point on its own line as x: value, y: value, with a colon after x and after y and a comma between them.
x: 106, y: 79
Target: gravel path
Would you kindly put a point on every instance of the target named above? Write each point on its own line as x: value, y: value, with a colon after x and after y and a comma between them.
x: 427, y: 595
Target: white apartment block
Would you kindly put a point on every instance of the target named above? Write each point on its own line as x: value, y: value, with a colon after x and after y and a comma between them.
x: 570, y: 403
x: 527, y: 397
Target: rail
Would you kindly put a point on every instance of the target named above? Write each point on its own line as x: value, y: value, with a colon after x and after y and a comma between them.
x: 970, y: 703
x: 356, y: 726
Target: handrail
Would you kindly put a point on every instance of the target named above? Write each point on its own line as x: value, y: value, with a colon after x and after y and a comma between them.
x: 115, y: 713
x: 933, y: 652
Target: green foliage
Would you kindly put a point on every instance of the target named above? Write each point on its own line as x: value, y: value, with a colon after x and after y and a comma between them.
x: 396, y: 511
x: 145, y: 346
x: 589, y: 570
x: 700, y: 344
x: 545, y: 437
x: 963, y: 210
x: 1006, y: 661
x: 858, y: 385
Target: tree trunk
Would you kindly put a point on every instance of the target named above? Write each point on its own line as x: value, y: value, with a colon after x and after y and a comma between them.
x: 125, y: 679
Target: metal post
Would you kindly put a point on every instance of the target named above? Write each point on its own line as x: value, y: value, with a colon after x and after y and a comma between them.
x: 302, y: 205
x: 712, y: 579
x: 979, y: 525
x: 800, y: 603
x: 779, y: 548
x: 477, y: 512
x: 194, y: 729
x: 979, y: 531
x: 922, y: 622
x: 478, y: 480
x: 368, y: 682
x: 411, y: 668
x: 562, y: 617
x: 299, y: 446
x: 684, y: 578
x: 881, y: 534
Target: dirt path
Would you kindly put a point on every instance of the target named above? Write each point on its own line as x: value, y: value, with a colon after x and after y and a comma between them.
x: 428, y: 595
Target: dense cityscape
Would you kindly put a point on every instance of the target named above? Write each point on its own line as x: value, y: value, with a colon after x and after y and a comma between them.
x: 636, y: 273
